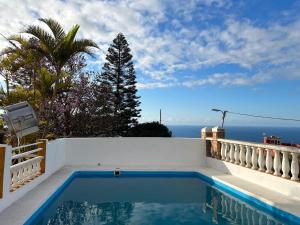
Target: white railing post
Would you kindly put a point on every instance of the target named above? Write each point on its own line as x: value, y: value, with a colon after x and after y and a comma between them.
x: 226, y: 151
x: 228, y: 147
x: 277, y: 163
x: 285, y: 165
x: 254, y: 158
x: 231, y: 153
x: 242, y: 155
x: 236, y: 154
x: 295, y: 166
x: 223, y: 150
x: 269, y: 161
x: 248, y: 156
x: 261, y: 159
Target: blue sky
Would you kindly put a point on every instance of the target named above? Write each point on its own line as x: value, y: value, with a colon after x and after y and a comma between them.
x: 191, y: 56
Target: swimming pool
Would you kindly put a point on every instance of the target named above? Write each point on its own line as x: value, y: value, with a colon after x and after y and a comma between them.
x: 94, y: 198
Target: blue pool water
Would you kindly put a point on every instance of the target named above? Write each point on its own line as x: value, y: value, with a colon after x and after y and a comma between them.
x: 152, y: 198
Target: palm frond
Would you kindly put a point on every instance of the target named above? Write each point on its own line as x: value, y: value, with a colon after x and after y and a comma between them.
x: 84, y: 46
x: 7, y: 51
x: 43, y: 36
x: 18, y: 39
x: 71, y: 34
x: 55, y: 27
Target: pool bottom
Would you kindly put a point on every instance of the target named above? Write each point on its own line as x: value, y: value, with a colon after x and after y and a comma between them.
x: 137, y: 192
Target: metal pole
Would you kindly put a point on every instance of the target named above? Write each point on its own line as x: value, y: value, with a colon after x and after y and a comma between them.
x: 223, y: 117
x: 159, y: 116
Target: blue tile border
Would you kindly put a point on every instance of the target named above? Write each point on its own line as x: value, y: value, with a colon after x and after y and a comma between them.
x: 274, y: 211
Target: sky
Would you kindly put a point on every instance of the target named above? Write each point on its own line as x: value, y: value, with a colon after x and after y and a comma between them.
x: 191, y: 56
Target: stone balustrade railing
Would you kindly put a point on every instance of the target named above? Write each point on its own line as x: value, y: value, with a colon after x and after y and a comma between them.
x: 27, y: 163
x: 272, y: 159
x: 25, y: 171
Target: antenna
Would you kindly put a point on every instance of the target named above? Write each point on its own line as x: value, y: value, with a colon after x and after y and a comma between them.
x: 159, y: 116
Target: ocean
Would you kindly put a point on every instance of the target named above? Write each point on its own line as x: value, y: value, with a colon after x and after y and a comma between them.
x: 255, y: 134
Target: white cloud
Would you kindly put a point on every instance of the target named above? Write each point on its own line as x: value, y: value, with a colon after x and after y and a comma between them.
x: 186, y: 43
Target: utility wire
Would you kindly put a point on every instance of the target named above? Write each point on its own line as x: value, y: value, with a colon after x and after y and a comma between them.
x: 265, y: 117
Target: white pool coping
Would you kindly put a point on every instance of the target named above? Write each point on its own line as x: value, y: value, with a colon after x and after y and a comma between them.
x: 21, y: 210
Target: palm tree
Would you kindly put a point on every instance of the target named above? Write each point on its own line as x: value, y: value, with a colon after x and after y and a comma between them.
x: 57, y: 46
x: 16, y: 56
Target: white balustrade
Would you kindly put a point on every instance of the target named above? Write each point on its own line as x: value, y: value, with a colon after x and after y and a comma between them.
x: 295, y: 167
x: 285, y: 165
x: 261, y: 159
x: 223, y: 146
x: 269, y: 161
x: 254, y: 158
x: 242, y: 155
x: 25, y: 171
x: 272, y: 159
x: 236, y: 154
x: 26, y: 164
x: 228, y: 147
x: 248, y: 156
x: 231, y: 153
x: 277, y: 163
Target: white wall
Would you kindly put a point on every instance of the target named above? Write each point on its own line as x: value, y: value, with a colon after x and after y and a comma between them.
x: 109, y: 151
x: 284, y: 186
x: 55, y: 155
x: 135, y: 151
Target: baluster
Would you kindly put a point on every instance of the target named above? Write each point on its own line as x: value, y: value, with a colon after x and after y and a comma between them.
x: 269, y: 161
x: 254, y: 158
x: 285, y: 165
x: 295, y: 166
x: 248, y: 156
x: 277, y: 163
x: 38, y: 167
x: 35, y: 169
x: 20, y: 175
x: 261, y: 159
x: 14, y: 178
x: 222, y: 150
x: 242, y: 155
x: 236, y: 153
x: 228, y: 147
x: 231, y: 153
x: 25, y: 174
x: 31, y: 171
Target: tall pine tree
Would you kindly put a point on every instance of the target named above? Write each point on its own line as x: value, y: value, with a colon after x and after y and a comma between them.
x: 118, y: 73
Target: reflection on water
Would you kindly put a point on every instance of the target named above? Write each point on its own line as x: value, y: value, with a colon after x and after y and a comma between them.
x: 225, y: 208
x: 78, y: 213
x: 183, y: 201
